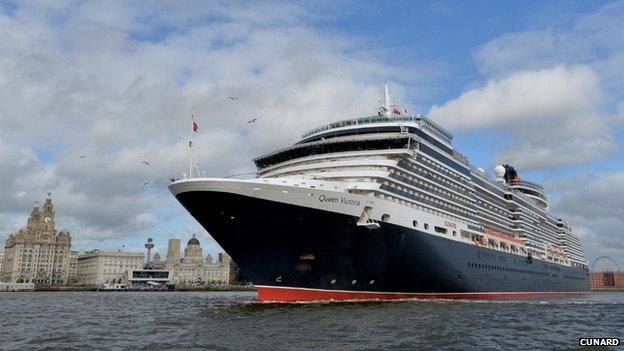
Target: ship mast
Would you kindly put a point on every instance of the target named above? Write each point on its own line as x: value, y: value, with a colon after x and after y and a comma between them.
x: 386, y: 107
x: 192, y: 160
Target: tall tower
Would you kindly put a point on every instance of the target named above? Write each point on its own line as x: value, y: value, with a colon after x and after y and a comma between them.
x: 149, y: 245
x: 173, y: 251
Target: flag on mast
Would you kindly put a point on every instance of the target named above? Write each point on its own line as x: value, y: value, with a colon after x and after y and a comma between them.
x: 195, y: 126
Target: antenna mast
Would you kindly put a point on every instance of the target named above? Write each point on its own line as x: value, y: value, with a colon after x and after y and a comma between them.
x: 387, y: 107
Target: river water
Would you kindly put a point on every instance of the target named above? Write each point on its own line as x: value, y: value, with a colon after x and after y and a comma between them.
x: 236, y: 321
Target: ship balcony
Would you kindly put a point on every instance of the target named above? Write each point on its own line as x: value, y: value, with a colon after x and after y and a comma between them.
x: 532, y: 190
x: 526, y: 185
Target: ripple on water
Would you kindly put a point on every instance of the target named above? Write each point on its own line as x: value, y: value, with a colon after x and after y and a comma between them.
x: 228, y: 321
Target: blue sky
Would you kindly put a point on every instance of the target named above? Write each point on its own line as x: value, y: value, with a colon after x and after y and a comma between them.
x: 532, y: 83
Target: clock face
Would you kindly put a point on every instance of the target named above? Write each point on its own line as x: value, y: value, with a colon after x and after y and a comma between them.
x: 47, y: 219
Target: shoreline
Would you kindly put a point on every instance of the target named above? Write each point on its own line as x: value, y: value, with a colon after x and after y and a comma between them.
x: 77, y: 289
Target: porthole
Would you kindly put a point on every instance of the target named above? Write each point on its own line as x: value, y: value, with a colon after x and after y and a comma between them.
x: 371, y: 282
x: 426, y: 226
x: 415, y: 224
x: 353, y: 282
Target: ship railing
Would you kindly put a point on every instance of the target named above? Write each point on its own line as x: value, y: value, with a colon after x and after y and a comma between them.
x: 461, y: 158
x: 363, y: 120
x: 525, y: 184
x: 250, y: 175
x: 422, y: 121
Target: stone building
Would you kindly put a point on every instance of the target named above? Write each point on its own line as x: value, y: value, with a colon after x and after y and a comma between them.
x: 73, y: 266
x: 98, y: 267
x: 193, y: 268
x: 38, y: 253
x: 173, y: 250
x: 157, y: 262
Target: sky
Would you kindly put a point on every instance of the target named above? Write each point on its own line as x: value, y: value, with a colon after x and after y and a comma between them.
x: 531, y: 83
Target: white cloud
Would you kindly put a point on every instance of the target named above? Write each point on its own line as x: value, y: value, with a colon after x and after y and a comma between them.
x: 548, y: 94
x: 596, y: 39
x: 595, y: 209
x: 553, y: 116
x: 117, y: 83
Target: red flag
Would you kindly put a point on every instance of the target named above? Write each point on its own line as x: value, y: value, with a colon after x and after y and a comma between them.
x: 396, y: 112
x: 195, y: 126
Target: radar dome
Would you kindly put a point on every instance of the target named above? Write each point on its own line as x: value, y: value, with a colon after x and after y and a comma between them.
x: 500, y: 171
x: 481, y: 170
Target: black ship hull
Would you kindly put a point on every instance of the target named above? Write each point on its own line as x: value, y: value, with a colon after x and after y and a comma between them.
x: 295, y: 253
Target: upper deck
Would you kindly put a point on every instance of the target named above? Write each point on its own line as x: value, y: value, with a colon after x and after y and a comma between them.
x: 421, y: 121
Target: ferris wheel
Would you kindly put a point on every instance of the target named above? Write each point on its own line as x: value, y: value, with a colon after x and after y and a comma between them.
x: 606, y: 262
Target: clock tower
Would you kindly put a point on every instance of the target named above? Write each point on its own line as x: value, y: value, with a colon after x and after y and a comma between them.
x: 38, y: 253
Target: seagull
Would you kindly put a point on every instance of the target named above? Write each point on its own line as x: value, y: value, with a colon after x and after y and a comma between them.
x: 147, y: 163
x: 83, y: 156
x: 233, y: 98
x: 145, y: 183
x: 253, y: 120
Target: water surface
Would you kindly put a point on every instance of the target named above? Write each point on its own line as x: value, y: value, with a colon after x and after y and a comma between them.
x: 235, y: 321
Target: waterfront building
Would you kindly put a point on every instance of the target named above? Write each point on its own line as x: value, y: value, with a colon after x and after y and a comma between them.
x: 150, y: 279
x: 192, y: 268
x: 157, y: 262
x: 38, y: 253
x: 73, y: 266
x: 173, y: 250
x: 606, y: 280
x: 1, y: 259
x: 98, y: 267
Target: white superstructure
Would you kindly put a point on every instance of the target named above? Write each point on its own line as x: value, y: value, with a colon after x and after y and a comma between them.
x: 407, y: 165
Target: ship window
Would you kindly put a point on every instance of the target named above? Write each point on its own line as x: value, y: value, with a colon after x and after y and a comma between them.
x: 439, y: 230
x: 415, y: 224
x: 426, y: 226
x: 385, y: 217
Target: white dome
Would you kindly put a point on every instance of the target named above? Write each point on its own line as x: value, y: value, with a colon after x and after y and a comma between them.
x: 481, y: 170
x: 500, y: 171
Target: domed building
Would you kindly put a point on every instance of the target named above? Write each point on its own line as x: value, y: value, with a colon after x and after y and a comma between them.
x: 38, y: 253
x: 157, y: 262
x: 193, y: 251
x: 192, y: 269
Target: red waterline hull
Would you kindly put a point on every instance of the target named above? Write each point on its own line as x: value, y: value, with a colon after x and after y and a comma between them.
x: 287, y: 294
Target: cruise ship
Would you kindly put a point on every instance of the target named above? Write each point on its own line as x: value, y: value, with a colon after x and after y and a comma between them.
x: 382, y: 208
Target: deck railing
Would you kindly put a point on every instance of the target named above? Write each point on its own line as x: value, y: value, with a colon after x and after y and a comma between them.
x: 526, y: 184
x: 422, y: 120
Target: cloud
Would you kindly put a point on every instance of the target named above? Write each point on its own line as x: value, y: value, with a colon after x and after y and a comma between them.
x: 594, y: 39
x: 118, y: 85
x: 554, y: 116
x: 595, y: 209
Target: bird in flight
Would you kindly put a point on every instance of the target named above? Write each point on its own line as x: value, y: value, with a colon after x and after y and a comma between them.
x: 253, y: 120
x: 83, y: 156
x: 147, y: 163
x: 233, y: 98
x: 145, y: 183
